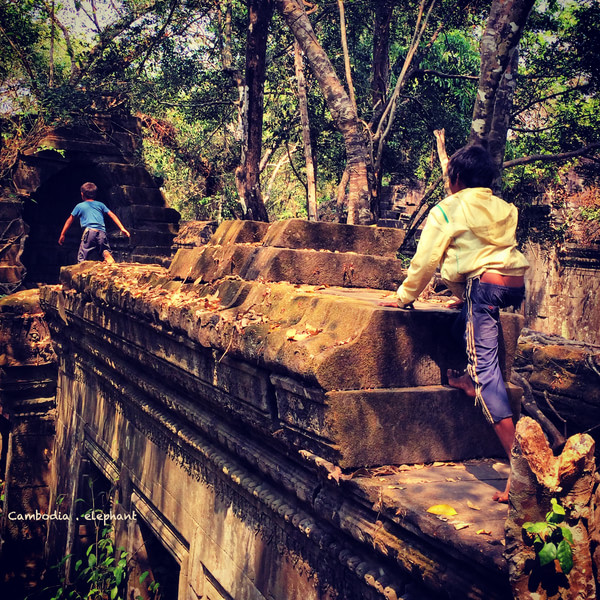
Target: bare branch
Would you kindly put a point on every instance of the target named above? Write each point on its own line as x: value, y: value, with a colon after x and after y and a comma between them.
x: 22, y: 58
x: 108, y: 35
x: 525, y: 160
x: 159, y: 34
x: 418, y: 72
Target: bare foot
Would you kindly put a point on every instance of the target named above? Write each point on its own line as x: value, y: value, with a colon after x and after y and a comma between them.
x: 456, y: 303
x: 462, y: 382
x: 108, y: 257
x: 501, y: 497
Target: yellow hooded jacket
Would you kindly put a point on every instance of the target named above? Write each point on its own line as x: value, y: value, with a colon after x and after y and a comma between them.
x: 466, y: 234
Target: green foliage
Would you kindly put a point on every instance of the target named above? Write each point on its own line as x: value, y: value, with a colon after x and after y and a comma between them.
x: 101, y: 570
x: 556, y: 108
x: 550, y: 540
x: 165, y: 60
x: 591, y: 213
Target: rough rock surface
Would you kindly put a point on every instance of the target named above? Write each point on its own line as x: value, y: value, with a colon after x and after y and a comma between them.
x: 28, y: 374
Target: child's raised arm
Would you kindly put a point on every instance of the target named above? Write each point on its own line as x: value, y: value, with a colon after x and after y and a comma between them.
x: 65, y: 228
x: 118, y: 223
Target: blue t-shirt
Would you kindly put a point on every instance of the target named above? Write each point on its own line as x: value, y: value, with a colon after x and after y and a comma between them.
x: 91, y: 214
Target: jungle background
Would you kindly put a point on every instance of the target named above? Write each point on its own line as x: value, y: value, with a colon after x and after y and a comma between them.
x: 278, y: 109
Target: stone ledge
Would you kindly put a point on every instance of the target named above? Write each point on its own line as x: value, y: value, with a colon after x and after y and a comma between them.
x: 311, y: 267
x: 299, y: 234
x: 355, y: 344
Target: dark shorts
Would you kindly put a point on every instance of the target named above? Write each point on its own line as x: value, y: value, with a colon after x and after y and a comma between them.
x: 92, y: 241
x: 481, y: 315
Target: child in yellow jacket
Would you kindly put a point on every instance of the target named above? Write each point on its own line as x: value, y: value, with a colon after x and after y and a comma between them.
x: 470, y: 235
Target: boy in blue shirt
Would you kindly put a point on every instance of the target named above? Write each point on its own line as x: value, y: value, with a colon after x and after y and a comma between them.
x: 91, y: 213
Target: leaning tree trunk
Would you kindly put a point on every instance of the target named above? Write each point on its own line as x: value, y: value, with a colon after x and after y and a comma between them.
x: 499, y: 42
x: 537, y: 477
x: 501, y: 119
x: 340, y: 106
x: 247, y: 174
x: 311, y: 180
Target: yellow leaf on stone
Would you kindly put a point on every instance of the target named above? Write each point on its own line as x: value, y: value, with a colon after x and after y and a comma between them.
x: 484, y: 532
x: 459, y: 526
x: 442, y: 509
x: 300, y: 337
x: 473, y: 506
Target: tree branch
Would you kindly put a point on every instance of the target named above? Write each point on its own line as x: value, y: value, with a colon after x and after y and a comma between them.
x: 419, y: 72
x: 549, y: 97
x: 525, y: 160
x: 106, y: 36
x: 22, y: 59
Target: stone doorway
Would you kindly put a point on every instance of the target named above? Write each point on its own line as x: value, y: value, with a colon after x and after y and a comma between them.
x: 46, y: 212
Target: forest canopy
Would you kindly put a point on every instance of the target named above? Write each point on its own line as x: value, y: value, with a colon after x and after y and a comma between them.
x: 281, y: 108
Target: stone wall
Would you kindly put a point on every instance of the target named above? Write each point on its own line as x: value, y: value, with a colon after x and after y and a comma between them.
x: 47, y: 177
x: 563, y: 291
x: 13, y: 233
x: 226, y: 400
x: 27, y: 398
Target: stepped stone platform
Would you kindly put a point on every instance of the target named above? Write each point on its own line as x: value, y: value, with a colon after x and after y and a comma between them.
x: 288, y: 436
x: 47, y: 178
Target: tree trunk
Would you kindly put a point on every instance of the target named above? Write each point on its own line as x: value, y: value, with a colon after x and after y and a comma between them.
x: 340, y: 106
x: 380, y: 83
x: 247, y: 174
x: 537, y: 477
x: 227, y: 62
x: 501, y: 118
x: 341, y: 197
x: 440, y: 140
x: 498, y: 44
x: 347, y: 65
x: 386, y: 119
x: 311, y: 180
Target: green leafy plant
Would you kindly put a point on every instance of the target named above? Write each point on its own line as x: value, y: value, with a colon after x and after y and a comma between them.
x: 551, y: 541
x: 102, y: 571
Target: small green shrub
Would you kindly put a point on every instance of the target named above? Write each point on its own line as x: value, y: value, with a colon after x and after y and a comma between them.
x: 551, y: 541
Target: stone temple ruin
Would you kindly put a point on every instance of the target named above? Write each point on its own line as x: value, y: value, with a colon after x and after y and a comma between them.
x: 224, y: 402
x: 47, y: 178
x: 255, y: 425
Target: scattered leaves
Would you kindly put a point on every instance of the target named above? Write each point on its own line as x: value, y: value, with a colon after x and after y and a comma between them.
x: 298, y: 336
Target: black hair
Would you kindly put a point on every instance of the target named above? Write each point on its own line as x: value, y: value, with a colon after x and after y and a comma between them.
x: 473, y: 165
x: 89, y: 190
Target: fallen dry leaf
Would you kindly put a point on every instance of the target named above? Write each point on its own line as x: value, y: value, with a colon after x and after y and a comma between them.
x: 484, y: 532
x: 459, y: 526
x: 473, y: 506
x: 442, y: 509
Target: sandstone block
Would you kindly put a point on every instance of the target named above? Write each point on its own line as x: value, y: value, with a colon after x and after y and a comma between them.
x: 125, y: 174
x: 142, y: 195
x: 410, y: 425
x: 239, y: 232
x: 141, y: 213
x: 335, y: 237
x: 194, y: 233
x: 324, y: 268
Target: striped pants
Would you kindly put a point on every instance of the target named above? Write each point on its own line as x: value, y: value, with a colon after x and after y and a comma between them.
x: 481, y: 318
